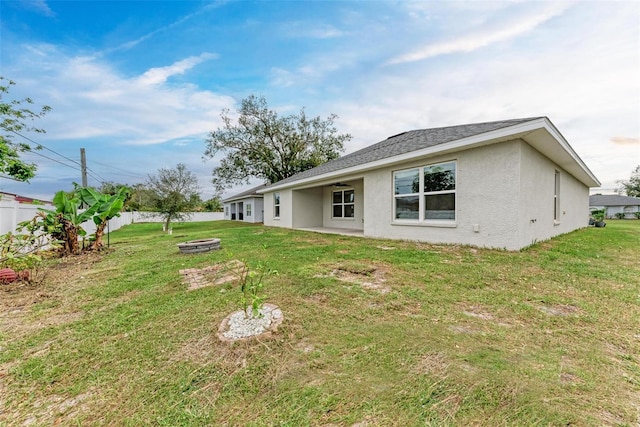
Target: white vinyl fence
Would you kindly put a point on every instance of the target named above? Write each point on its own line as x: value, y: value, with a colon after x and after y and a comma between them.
x: 12, y: 213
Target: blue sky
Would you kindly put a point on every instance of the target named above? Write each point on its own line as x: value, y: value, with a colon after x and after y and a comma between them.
x: 139, y: 84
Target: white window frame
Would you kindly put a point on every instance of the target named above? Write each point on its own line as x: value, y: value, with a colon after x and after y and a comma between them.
x: 247, y: 208
x: 421, y: 194
x: 556, y: 197
x: 276, y: 205
x: 343, y: 204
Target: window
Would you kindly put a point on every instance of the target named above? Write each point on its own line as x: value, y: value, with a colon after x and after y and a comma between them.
x: 343, y: 204
x: 556, y: 197
x: 425, y: 193
x: 276, y: 205
x: 226, y: 211
x: 248, y: 208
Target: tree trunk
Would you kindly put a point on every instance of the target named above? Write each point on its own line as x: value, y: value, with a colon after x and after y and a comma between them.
x: 97, y: 243
x: 166, y: 223
x: 71, y: 245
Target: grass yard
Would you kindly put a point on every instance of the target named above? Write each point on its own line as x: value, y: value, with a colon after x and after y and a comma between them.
x: 376, y: 333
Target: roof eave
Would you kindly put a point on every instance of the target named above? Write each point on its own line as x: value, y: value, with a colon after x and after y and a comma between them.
x: 249, y: 196
x: 567, y: 158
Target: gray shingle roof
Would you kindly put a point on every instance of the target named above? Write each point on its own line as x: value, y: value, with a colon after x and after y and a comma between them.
x: 404, y: 143
x: 613, y: 200
x: 247, y: 193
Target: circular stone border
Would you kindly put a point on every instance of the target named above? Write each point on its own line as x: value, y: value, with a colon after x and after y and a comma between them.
x: 276, y: 319
x: 198, y: 246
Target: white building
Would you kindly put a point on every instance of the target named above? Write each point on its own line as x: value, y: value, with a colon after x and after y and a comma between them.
x: 504, y: 184
x: 247, y: 206
x: 615, y: 204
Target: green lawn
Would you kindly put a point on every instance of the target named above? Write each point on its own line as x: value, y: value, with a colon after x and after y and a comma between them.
x: 437, y: 335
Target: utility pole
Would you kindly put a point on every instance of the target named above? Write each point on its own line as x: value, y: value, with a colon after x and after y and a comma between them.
x: 83, y: 166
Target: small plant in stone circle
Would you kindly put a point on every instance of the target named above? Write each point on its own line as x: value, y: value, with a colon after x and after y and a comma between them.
x: 251, y: 285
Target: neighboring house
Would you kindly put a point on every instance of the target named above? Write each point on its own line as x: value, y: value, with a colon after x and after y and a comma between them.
x: 504, y: 184
x: 247, y: 206
x: 614, y: 203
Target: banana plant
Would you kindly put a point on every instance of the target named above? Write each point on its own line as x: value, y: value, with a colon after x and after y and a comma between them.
x: 67, y: 220
x: 103, y: 207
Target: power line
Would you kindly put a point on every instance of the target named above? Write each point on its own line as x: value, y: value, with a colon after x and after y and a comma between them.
x: 46, y: 148
x: 120, y: 169
x: 92, y: 173
x: 53, y: 160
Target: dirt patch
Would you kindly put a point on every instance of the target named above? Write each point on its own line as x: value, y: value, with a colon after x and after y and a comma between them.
x: 368, y: 276
x: 218, y: 274
x: 57, y: 410
x: 478, y: 312
x: 559, y: 309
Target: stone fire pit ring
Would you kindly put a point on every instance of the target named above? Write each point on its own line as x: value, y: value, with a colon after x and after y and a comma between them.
x: 199, y: 246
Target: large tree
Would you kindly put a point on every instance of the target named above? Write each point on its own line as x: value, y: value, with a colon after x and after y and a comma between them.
x: 174, y: 193
x: 631, y: 187
x: 263, y: 145
x: 14, y: 115
x: 142, y: 198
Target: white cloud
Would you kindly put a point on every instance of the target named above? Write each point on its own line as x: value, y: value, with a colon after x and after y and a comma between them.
x: 159, y: 75
x: 39, y: 6
x: 133, y: 43
x: 91, y: 99
x: 582, y: 75
x: 485, y: 37
x: 300, y: 29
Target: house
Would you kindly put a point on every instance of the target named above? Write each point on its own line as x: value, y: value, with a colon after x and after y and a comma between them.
x: 614, y: 204
x: 503, y: 184
x: 247, y: 206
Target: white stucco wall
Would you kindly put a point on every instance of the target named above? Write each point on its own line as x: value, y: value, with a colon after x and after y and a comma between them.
x: 307, y: 206
x: 257, y: 207
x: 285, y: 219
x: 355, y: 223
x: 537, y: 187
x: 486, y: 200
x: 504, y: 199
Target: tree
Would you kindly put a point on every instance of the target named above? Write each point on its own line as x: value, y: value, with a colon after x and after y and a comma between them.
x: 631, y: 187
x: 14, y: 115
x: 214, y: 204
x: 142, y: 199
x: 174, y: 193
x: 104, y: 207
x: 263, y: 145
